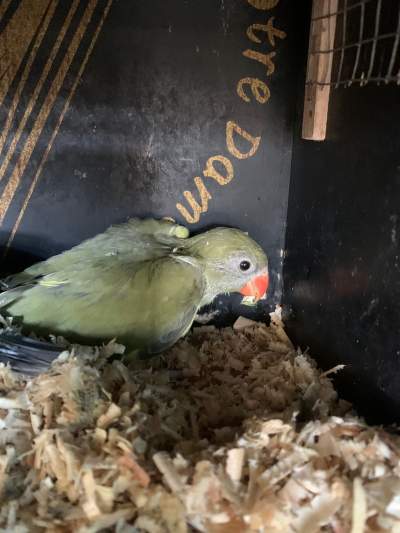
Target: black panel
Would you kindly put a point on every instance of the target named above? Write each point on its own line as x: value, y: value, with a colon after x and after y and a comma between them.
x: 342, y: 272
x: 150, y: 109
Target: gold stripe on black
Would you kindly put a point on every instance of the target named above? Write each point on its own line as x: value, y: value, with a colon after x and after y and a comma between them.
x: 3, y: 7
x: 16, y: 38
x: 30, y: 144
x: 26, y: 72
x: 61, y: 118
x: 36, y: 92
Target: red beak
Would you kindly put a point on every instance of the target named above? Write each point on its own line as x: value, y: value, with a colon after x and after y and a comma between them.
x: 256, y: 287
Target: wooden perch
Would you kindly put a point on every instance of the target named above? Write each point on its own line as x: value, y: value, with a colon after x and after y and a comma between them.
x: 319, y: 67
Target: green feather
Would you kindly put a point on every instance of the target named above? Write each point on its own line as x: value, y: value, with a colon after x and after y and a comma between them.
x: 138, y: 282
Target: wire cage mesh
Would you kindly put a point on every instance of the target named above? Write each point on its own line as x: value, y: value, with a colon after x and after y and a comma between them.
x: 364, y: 44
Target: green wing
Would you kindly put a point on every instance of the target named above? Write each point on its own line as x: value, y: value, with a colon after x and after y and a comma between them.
x: 137, y: 239
x: 146, y: 305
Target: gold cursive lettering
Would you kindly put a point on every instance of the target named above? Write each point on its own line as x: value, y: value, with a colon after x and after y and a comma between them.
x: 270, y: 30
x: 211, y: 171
x: 263, y: 4
x: 232, y: 127
x: 265, y: 59
x: 259, y: 89
x: 261, y: 93
x: 196, y: 207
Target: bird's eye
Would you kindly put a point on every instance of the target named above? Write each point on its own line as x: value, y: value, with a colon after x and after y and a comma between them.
x: 245, y: 265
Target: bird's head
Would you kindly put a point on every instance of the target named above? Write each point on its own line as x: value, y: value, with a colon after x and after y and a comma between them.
x: 232, y: 262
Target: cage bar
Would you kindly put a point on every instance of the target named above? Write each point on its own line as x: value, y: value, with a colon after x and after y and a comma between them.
x: 332, y: 61
x: 342, y: 24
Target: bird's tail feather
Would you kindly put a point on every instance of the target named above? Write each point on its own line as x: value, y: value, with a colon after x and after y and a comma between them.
x: 25, y: 355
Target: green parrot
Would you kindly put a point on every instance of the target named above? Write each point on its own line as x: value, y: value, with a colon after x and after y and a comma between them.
x: 141, y: 283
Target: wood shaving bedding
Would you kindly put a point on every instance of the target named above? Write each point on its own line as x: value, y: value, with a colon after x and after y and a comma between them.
x: 231, y: 431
